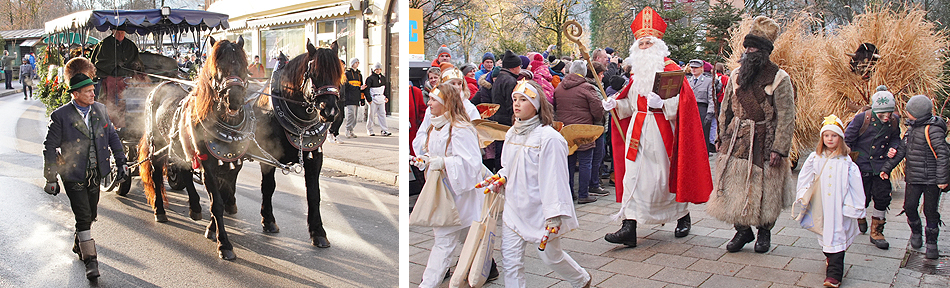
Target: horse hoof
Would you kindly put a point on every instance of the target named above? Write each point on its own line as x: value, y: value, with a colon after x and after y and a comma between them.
x: 194, y: 215
x: 227, y: 255
x: 271, y: 227
x: 161, y: 218
x: 211, y: 235
x: 231, y: 209
x: 320, y: 241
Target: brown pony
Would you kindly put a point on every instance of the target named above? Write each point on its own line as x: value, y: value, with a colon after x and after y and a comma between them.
x: 207, y: 128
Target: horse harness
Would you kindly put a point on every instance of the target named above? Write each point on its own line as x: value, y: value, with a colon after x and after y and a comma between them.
x: 304, y: 134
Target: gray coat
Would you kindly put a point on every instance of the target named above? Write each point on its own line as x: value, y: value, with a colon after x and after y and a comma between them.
x: 705, y: 93
x: 921, y: 166
x: 68, y: 132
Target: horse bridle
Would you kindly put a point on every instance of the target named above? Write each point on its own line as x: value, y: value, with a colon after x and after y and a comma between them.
x: 222, y: 87
x: 310, y: 99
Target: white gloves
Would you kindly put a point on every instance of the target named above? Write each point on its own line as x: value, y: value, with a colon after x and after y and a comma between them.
x: 420, y: 162
x: 654, y: 101
x: 609, y: 104
x: 553, y: 222
x: 437, y: 163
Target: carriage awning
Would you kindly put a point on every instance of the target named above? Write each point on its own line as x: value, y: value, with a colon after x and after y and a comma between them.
x: 300, y: 16
x: 140, y: 22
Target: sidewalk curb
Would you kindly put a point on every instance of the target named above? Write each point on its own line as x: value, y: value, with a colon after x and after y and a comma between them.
x: 11, y: 92
x: 361, y: 171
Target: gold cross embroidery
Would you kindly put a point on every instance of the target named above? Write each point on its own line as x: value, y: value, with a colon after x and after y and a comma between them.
x: 669, y: 87
x: 635, y: 144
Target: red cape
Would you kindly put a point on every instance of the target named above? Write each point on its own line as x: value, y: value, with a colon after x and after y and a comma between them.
x: 690, y: 176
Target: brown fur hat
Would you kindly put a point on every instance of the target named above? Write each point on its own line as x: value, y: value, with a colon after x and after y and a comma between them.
x: 764, y: 27
x: 79, y: 65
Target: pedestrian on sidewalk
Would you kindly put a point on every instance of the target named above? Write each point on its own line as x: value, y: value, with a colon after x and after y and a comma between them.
x: 353, y: 96
x: 377, y: 89
x: 450, y: 144
x: 842, y: 195
x: 8, y: 62
x: 26, y: 78
x: 537, y: 193
x: 925, y: 171
x: 872, y: 134
x: 84, y: 160
x: 576, y: 101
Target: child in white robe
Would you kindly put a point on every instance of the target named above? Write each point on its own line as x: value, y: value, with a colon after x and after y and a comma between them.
x: 842, y: 195
x: 535, y: 205
x: 450, y: 144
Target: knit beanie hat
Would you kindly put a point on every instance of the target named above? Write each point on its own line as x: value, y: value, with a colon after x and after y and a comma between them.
x: 617, y: 82
x: 919, y: 106
x: 579, y: 67
x: 535, y: 64
x: 551, y: 58
x: 609, y: 50
x: 524, y: 61
x: 467, y: 68
x: 558, y: 65
x: 882, y: 102
x: 832, y: 123
x: 537, y: 57
x: 444, y: 49
x: 488, y: 56
x: 510, y: 60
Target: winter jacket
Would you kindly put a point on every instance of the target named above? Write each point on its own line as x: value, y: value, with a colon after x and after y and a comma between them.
x: 577, y: 102
x: 472, y: 87
x: 542, y: 75
x: 921, y: 166
x: 376, y: 80
x: 481, y: 71
x: 502, y: 87
x: 351, y: 89
x: 872, y: 146
x: 66, y: 149
x: 484, y: 91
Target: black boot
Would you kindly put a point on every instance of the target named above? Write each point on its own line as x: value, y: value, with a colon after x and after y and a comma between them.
x: 88, y: 249
x: 764, y: 240
x: 916, y: 234
x: 627, y: 235
x: 932, y: 252
x: 76, y: 246
x: 493, y: 273
x: 744, y: 235
x: 682, y: 227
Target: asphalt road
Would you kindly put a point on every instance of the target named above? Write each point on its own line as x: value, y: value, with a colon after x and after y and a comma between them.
x: 134, y: 251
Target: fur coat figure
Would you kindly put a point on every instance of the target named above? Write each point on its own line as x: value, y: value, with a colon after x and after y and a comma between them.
x: 754, y: 122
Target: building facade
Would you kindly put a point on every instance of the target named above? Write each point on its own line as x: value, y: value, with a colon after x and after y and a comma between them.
x: 362, y: 29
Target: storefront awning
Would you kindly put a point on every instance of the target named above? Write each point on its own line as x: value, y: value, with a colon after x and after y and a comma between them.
x: 300, y: 16
x: 29, y: 43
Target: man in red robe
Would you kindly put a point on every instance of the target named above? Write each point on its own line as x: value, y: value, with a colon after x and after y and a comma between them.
x: 660, y: 159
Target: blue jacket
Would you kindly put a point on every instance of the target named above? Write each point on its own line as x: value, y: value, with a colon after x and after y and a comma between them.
x: 68, y: 132
x: 872, y: 146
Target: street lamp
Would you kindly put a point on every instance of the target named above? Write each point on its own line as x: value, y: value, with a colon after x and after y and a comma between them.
x: 166, y: 11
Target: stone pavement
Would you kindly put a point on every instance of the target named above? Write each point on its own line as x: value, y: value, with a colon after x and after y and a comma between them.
x: 369, y: 157
x: 701, y: 260
x: 16, y: 91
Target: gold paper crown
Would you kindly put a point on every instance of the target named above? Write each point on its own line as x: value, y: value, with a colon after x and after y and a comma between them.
x: 832, y: 120
x: 452, y: 73
x: 523, y: 89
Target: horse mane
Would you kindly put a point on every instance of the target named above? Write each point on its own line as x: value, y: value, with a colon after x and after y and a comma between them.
x: 326, y: 69
x: 204, y: 93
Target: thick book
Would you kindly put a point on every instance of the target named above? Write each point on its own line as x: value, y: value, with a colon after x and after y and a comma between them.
x: 667, y: 84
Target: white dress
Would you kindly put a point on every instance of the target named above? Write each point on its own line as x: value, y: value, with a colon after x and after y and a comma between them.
x: 646, y: 182
x: 470, y: 109
x: 537, y: 188
x: 842, y: 198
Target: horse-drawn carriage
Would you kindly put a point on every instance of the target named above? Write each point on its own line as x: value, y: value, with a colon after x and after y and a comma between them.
x: 156, y: 23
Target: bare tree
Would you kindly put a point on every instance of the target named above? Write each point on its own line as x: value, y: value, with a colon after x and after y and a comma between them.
x: 550, y: 15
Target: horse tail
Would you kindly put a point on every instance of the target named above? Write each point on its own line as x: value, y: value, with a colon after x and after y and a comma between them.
x: 145, y: 169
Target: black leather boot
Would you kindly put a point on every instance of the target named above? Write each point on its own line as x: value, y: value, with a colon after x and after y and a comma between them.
x: 764, y: 240
x: 744, y: 235
x: 932, y: 252
x: 88, y: 249
x: 682, y: 227
x: 627, y: 235
x: 916, y: 234
x: 76, y: 246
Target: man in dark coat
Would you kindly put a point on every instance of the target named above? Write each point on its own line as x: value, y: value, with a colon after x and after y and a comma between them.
x: 504, y: 83
x: 377, y: 93
x: 115, y: 57
x: 77, y: 148
x: 872, y: 134
x: 8, y: 62
x: 354, y: 95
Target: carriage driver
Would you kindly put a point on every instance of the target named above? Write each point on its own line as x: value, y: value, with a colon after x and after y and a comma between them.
x: 116, y: 57
x: 77, y: 148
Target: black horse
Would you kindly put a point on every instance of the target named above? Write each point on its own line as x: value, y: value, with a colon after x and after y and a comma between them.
x: 292, y: 125
x: 206, y: 129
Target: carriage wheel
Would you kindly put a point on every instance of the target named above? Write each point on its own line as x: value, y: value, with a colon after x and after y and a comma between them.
x: 130, y: 153
x: 176, y: 178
